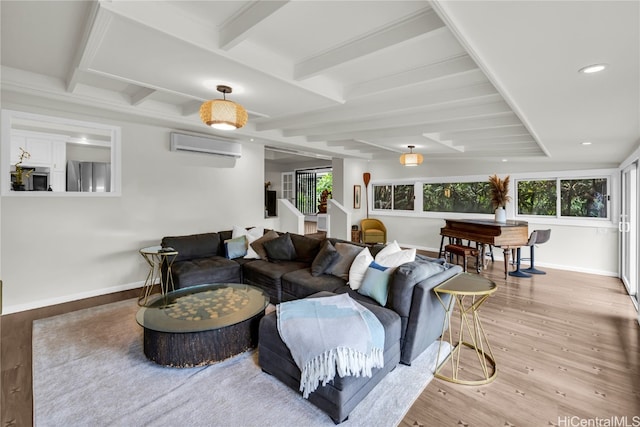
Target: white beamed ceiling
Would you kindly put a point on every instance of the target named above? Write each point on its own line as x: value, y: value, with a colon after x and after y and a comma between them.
x: 363, y: 79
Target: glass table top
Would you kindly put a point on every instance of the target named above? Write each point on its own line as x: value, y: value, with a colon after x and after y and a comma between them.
x: 203, y: 307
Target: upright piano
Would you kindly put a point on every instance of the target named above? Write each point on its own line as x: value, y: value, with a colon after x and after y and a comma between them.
x: 507, y: 235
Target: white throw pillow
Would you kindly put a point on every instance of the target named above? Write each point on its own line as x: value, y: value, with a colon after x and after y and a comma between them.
x: 396, y: 259
x: 359, y: 268
x: 252, y: 235
x: 388, y: 249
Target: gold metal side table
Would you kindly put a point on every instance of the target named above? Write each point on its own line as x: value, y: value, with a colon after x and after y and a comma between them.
x: 155, y: 256
x: 468, y: 292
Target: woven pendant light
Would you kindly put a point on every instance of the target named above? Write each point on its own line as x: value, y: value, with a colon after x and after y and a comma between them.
x: 411, y: 158
x: 222, y: 114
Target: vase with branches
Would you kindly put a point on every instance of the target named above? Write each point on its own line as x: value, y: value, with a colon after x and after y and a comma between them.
x: 499, y: 196
x: 20, y: 173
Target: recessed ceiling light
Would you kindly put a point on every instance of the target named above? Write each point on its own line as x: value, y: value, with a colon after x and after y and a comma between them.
x: 585, y: 143
x: 589, y: 69
x: 505, y: 160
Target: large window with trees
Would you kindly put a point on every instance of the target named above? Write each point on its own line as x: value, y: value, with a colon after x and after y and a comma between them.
x: 578, y: 198
x: 468, y: 197
x: 398, y: 197
x: 559, y: 197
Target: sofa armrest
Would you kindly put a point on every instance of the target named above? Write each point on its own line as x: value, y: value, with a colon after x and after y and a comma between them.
x: 416, y: 303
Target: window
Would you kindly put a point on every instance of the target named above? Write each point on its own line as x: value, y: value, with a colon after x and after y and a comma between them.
x: 399, y: 197
x: 584, y: 197
x: 309, y: 186
x: 579, y: 198
x: 382, y: 197
x: 537, y: 197
x: 468, y: 197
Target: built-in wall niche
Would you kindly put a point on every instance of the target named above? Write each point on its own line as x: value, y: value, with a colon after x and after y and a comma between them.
x: 71, y: 157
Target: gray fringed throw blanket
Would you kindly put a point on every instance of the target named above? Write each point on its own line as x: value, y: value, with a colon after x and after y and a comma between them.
x: 329, y: 335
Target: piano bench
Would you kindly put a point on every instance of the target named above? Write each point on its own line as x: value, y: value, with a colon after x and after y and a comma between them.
x: 464, y: 252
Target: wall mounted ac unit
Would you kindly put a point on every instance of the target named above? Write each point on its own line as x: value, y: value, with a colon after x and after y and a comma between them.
x: 204, y: 144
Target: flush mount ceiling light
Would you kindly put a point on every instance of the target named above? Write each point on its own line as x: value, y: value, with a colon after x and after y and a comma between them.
x: 222, y: 114
x: 411, y: 158
x: 590, y: 69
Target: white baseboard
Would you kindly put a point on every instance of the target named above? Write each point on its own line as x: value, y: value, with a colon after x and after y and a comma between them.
x: 68, y: 298
x: 498, y: 257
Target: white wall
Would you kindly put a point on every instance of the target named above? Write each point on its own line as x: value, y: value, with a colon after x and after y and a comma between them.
x: 56, y: 249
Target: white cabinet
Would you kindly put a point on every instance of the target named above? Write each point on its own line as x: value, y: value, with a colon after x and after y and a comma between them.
x: 58, y: 176
x: 46, y: 150
x: 17, y: 141
x: 58, y: 181
x: 38, y: 145
x: 59, y: 160
x: 41, y: 151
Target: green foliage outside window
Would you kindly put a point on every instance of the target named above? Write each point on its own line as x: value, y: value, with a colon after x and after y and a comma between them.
x: 382, y: 197
x: 394, y: 197
x: 324, y: 182
x: 584, y: 197
x: 469, y: 197
x: 403, y: 197
x: 537, y: 197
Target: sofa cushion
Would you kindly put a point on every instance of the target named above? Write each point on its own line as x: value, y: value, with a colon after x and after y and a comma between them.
x: 236, y: 247
x: 325, y: 259
x: 340, y: 396
x: 393, y: 260
x: 388, y: 249
x: 258, y: 245
x: 376, y: 283
x: 194, y: 245
x: 252, y: 235
x: 348, y: 253
x: 199, y: 271
x: 306, y: 247
x: 267, y: 275
x: 301, y: 283
x: 359, y: 268
x: 280, y: 249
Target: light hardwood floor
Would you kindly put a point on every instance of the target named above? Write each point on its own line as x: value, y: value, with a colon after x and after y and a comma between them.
x: 567, y: 348
x: 566, y: 345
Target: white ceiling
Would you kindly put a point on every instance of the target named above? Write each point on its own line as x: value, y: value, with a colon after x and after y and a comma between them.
x: 484, y: 80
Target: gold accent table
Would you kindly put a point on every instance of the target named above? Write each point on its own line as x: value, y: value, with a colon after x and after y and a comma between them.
x: 155, y: 256
x: 462, y: 288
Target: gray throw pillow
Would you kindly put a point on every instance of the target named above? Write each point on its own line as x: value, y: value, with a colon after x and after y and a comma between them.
x: 348, y: 253
x: 258, y: 245
x: 325, y: 259
x: 306, y: 247
x: 280, y: 249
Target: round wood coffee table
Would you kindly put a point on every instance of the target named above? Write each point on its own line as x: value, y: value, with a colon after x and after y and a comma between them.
x: 202, y: 325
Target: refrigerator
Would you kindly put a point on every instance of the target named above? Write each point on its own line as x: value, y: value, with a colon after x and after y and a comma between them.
x: 88, y: 176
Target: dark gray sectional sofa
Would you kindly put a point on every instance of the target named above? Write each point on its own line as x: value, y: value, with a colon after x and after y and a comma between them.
x: 201, y: 259
x: 412, y: 308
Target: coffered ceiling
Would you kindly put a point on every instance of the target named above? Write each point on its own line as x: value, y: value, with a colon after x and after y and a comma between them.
x: 358, y: 79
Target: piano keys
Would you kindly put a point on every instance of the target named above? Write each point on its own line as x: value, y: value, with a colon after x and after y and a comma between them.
x: 508, y: 235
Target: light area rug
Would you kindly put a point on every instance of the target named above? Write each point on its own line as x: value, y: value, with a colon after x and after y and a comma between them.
x: 89, y: 370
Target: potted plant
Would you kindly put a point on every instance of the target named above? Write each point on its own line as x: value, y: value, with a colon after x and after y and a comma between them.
x: 499, y: 196
x: 20, y: 173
